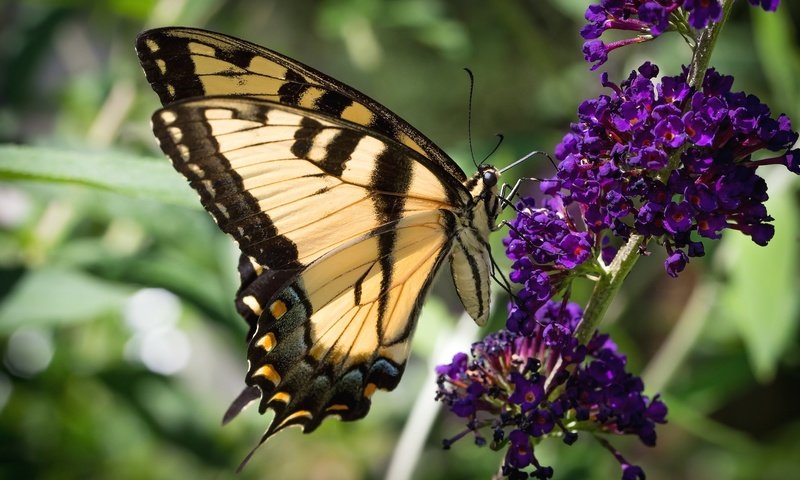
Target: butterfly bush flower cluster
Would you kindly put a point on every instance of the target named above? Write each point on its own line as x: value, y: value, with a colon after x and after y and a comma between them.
x: 616, y: 161
x: 661, y: 159
x: 658, y: 159
x: 647, y: 19
x: 518, y: 388
x: 548, y: 248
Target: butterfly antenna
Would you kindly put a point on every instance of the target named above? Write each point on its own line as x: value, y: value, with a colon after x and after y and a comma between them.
x: 469, y: 116
x: 500, y: 139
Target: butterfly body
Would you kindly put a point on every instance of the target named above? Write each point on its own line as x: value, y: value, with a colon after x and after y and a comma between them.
x: 343, y: 213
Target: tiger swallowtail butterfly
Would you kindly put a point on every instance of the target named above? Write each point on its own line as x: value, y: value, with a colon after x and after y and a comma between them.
x: 342, y: 210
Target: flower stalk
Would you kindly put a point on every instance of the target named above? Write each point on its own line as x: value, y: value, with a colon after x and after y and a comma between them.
x: 705, y: 46
x: 609, y: 284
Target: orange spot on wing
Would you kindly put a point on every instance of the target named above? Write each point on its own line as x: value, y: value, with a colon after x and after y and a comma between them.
x: 267, y: 342
x: 370, y: 389
x: 277, y: 309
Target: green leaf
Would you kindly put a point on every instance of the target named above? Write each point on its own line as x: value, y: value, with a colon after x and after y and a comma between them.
x: 773, y: 36
x: 125, y: 174
x: 54, y: 296
x: 761, y: 298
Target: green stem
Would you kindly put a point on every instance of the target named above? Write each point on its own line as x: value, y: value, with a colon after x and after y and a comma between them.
x: 608, y: 285
x: 705, y: 45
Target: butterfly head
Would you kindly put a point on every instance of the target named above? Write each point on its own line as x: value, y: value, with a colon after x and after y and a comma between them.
x: 489, y: 175
x: 486, y: 202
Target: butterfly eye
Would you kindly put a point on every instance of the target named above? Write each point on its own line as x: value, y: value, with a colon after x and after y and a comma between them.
x: 489, y: 178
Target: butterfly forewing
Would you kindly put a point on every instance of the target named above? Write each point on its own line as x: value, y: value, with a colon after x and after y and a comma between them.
x: 282, y: 184
x: 183, y: 63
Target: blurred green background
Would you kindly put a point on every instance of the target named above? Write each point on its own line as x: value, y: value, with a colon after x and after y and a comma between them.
x: 119, y: 343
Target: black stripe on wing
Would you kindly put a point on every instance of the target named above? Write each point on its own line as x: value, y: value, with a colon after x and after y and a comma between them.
x: 476, y: 275
x: 338, y: 151
x: 222, y: 191
x: 392, y: 170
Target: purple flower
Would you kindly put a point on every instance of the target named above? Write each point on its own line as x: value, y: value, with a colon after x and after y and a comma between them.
x: 608, y: 253
x: 699, y: 128
x: 596, y: 17
x: 575, y: 249
x: 612, y: 162
x: 452, y: 369
x: 467, y: 405
x: 700, y: 197
x: 678, y: 217
x: 541, y: 422
x: 768, y: 5
x: 657, y: 410
x: 675, y: 263
x: 703, y: 12
x: 709, y: 226
x: 504, y: 387
x: 546, y: 247
x: 520, y: 452
x: 673, y: 90
x: 632, y: 472
x: 655, y: 158
x: 792, y: 161
x: 656, y: 15
x: 595, y: 51
x: 761, y: 234
x: 647, y: 19
x: 527, y: 392
x: 670, y: 131
x: 651, y: 158
x: 537, y: 287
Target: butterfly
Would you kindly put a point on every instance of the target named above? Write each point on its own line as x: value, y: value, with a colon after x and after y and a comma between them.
x: 343, y: 213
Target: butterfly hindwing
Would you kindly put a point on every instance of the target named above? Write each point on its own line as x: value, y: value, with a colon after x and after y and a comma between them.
x: 326, y: 341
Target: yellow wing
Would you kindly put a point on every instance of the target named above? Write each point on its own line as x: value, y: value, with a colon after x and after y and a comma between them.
x: 343, y: 212
x: 345, y: 230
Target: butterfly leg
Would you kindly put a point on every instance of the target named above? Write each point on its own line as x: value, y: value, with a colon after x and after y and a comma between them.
x: 507, y: 193
x: 500, y: 279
